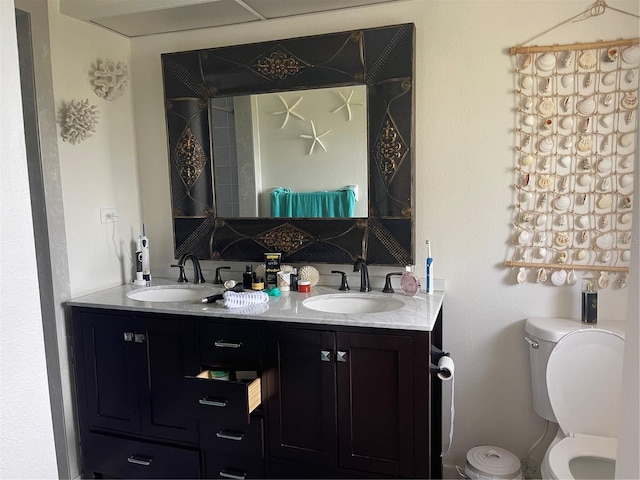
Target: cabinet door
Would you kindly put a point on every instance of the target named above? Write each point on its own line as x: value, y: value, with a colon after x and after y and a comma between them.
x: 301, y: 395
x: 110, y: 371
x: 134, y: 373
x: 375, y: 403
x: 169, y: 352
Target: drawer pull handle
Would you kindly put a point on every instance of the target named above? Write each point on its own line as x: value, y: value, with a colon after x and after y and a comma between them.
x: 211, y: 402
x: 223, y: 344
x: 234, y: 476
x: 144, y: 461
x: 230, y: 435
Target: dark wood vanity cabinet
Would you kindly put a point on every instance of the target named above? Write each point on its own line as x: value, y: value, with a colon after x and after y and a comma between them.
x: 229, y: 413
x: 129, y: 373
x: 343, y: 401
x: 133, y: 367
x: 302, y: 401
x: 301, y: 390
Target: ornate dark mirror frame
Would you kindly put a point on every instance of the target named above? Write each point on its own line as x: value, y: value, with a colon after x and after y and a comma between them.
x: 380, y: 58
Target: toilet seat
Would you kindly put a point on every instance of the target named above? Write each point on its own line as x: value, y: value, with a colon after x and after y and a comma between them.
x: 584, y: 380
x: 560, y: 455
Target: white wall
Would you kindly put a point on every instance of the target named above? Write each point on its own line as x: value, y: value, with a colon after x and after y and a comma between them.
x: 464, y: 155
x: 100, y: 172
x: 628, y: 464
x: 26, y: 431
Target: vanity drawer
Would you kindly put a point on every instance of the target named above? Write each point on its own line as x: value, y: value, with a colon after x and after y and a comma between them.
x: 228, y: 402
x: 230, y: 346
x: 125, y: 458
x: 237, y: 467
x: 243, y: 440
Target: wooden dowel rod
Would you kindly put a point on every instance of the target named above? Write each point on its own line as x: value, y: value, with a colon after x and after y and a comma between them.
x: 560, y: 266
x: 574, y: 46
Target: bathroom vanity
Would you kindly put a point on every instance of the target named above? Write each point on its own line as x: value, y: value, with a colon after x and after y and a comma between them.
x: 310, y: 394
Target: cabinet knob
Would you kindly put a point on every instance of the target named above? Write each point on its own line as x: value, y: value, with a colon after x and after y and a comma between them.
x: 128, y: 336
x: 325, y: 355
x: 138, y: 338
x: 342, y: 356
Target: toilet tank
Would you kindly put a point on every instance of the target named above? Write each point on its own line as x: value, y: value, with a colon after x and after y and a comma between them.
x: 542, y: 334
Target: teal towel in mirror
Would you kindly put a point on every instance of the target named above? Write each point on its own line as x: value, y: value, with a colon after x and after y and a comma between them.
x: 325, y: 204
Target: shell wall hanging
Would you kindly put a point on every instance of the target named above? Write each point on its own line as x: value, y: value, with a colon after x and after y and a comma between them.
x: 575, y: 145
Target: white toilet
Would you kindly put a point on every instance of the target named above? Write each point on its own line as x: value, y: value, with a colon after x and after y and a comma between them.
x: 576, y: 375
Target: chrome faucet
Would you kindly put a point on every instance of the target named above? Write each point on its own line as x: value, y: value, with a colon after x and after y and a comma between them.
x: 360, y: 265
x: 198, y: 277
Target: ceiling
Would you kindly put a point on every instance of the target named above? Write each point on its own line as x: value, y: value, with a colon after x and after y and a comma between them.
x: 134, y: 18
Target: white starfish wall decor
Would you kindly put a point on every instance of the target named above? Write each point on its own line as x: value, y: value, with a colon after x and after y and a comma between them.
x: 347, y: 103
x: 316, y: 138
x: 288, y: 110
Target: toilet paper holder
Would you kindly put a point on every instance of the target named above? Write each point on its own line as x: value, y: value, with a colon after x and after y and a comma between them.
x: 436, y: 355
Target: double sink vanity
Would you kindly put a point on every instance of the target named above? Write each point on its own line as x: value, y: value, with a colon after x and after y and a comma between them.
x: 310, y: 393
x: 325, y: 384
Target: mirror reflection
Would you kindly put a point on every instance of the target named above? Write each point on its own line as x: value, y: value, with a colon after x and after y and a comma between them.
x: 296, y: 154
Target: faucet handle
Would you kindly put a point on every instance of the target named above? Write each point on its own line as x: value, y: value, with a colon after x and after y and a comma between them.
x: 344, y: 285
x: 182, y: 278
x: 218, y: 279
x: 387, y: 282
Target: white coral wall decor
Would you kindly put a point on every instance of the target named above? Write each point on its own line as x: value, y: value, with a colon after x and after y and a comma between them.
x: 79, y: 121
x: 110, y: 79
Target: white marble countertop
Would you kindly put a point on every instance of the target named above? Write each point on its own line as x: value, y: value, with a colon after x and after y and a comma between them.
x: 419, y: 313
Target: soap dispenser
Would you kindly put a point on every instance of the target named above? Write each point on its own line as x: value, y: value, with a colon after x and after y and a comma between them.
x: 409, y: 282
x: 589, y: 302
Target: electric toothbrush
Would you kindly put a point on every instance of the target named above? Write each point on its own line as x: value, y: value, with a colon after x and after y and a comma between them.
x: 429, y: 281
x: 146, y: 266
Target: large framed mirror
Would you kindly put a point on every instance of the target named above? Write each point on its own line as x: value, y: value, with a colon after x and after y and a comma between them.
x: 302, y: 146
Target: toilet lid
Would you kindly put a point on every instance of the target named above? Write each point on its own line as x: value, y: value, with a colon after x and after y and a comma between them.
x: 584, y: 378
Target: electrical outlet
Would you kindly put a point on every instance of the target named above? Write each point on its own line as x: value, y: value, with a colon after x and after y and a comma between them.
x: 108, y: 215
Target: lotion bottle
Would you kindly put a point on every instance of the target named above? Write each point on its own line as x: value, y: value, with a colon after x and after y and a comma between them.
x: 409, y: 282
x: 589, y: 302
x: 247, y: 277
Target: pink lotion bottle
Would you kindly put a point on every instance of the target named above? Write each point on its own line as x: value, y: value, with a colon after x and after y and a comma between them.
x: 409, y: 282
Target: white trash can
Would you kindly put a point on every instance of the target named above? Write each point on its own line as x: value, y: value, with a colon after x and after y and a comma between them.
x: 486, y: 462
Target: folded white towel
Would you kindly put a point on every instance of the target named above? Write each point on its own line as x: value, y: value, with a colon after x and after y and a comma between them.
x: 243, y: 299
x: 252, y: 309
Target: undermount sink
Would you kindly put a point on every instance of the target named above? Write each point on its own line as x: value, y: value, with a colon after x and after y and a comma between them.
x: 172, y: 293
x: 353, y: 303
